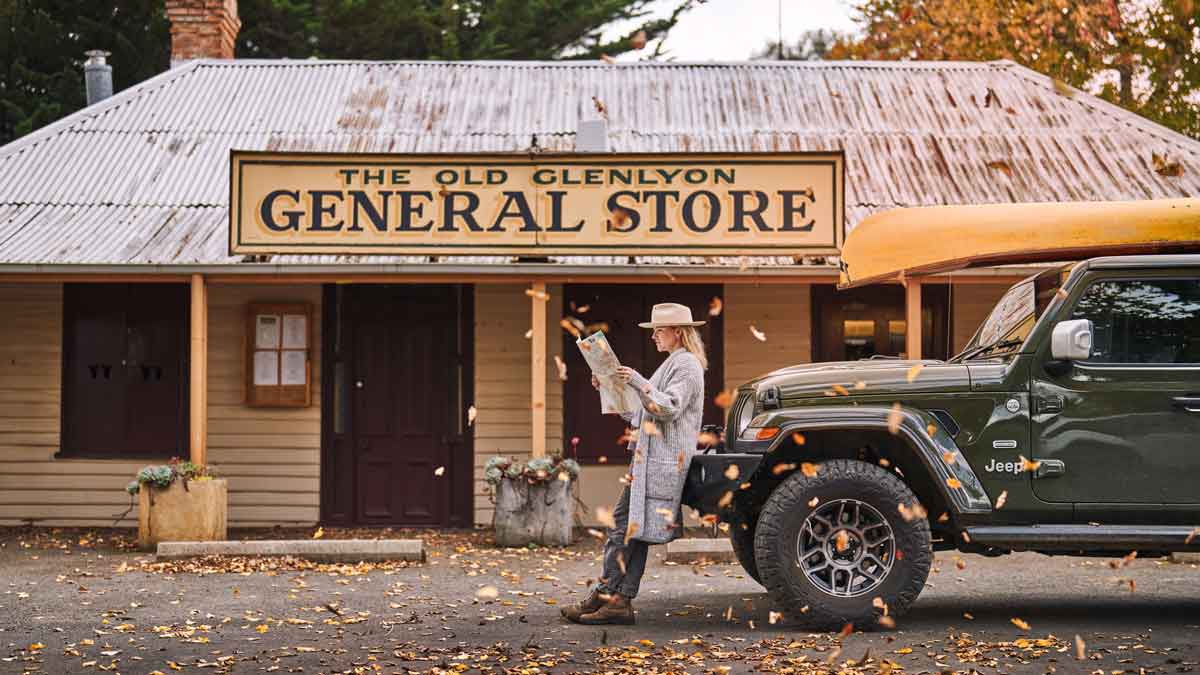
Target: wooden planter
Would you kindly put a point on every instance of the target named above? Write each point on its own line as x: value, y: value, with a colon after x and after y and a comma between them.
x: 542, y: 513
x: 195, y: 511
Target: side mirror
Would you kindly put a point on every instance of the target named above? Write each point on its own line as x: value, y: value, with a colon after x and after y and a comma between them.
x: 1071, y: 340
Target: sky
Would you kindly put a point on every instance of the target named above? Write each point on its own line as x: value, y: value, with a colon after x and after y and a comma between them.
x: 732, y: 30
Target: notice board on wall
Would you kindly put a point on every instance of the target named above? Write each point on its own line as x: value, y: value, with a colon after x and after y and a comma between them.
x: 278, y: 361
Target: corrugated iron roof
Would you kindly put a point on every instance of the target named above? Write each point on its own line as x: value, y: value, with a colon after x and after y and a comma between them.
x: 142, y: 177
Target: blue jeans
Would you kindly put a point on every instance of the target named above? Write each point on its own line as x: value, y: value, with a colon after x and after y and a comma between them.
x: 633, y: 555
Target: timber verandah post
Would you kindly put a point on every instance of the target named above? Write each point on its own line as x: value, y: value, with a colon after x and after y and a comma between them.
x: 538, y: 368
x: 912, y: 319
x: 198, y: 374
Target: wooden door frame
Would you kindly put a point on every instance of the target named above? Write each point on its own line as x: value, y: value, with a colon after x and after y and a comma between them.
x: 460, y: 463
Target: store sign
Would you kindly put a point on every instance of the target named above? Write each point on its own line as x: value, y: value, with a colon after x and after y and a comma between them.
x: 697, y: 204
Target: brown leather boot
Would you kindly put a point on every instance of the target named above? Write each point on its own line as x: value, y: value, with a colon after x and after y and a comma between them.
x: 617, y: 610
x: 594, y: 601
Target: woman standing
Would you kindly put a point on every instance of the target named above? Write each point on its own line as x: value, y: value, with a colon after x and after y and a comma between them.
x: 666, y: 429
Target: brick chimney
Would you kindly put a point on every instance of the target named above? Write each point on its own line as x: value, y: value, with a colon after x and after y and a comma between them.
x: 202, y: 29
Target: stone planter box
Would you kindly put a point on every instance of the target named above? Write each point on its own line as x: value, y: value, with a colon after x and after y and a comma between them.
x: 541, y: 513
x: 195, y: 511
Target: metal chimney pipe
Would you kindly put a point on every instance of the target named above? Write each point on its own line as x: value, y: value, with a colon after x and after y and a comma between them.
x: 97, y: 74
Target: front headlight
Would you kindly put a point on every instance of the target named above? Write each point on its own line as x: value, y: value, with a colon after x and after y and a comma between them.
x: 745, y: 414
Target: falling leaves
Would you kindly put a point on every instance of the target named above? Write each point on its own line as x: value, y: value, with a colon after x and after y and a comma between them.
x: 724, y: 399
x: 471, y: 413
x: 1124, y: 561
x: 1080, y: 648
x: 774, y: 617
x: 798, y: 438
x: 1020, y: 623
x: 715, y: 306
x: 758, y: 334
x: 537, y: 294
x: 809, y: 469
x: 638, y: 41
x: 439, y: 471
x: 650, y: 428
x: 562, y: 367
x: 949, y: 456
x: 725, y: 500
x: 1027, y: 465
x: 840, y: 390
x: 600, y: 109
x: 732, y: 472
x: 1000, y: 501
x: 841, y: 541
x: 954, y: 483
x: 911, y: 513
x: 605, y: 517
x: 914, y: 372
x: 529, y: 334
x: 894, y: 419
x: 707, y: 440
x: 781, y: 468
x: 572, y: 325
x: 812, y: 503
x: 319, y: 533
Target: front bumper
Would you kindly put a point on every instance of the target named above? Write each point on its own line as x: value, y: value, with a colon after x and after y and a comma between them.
x: 706, y: 482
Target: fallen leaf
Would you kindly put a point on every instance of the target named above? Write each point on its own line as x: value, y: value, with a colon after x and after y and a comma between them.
x: 262, y: 628
x: 1080, y: 648
x: 798, y: 438
x: 1001, y: 165
x: 471, y: 413
x: 949, y: 456
x: 732, y: 472
x: 841, y: 541
x: 1164, y: 166
x: 487, y: 593
x: 562, y: 367
x: 1019, y: 623
x: 1001, y: 499
x: 782, y: 467
x: 810, y: 470
x: 758, y: 334
x: 319, y: 533
x: 528, y: 333
x: 910, y: 513
x: 840, y: 390
x: 715, y: 306
x: 439, y: 471
x: 774, y: 617
x: 846, y: 629
x: 812, y: 503
x: 1027, y: 465
x: 954, y: 483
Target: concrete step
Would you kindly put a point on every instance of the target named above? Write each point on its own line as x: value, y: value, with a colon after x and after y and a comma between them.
x: 323, y: 550
x: 691, y: 550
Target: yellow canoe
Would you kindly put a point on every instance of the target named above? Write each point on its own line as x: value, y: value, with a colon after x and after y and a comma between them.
x: 908, y: 242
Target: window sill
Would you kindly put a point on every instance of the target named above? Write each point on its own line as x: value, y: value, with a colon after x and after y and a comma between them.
x: 91, y: 457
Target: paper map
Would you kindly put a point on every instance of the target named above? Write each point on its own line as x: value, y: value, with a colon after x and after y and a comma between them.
x: 615, y: 396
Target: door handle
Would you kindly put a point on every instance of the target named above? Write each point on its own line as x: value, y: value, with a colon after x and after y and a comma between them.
x: 1188, y: 403
x: 1050, y: 467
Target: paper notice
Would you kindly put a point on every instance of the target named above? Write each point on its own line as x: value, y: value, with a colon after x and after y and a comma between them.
x: 615, y: 396
x: 295, y: 331
x: 266, y: 331
x: 266, y: 368
x: 294, y: 371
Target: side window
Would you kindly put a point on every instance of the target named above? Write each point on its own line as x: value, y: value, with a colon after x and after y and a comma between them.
x: 1143, y: 320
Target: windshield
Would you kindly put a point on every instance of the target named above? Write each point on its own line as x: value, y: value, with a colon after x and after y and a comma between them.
x: 1006, y: 327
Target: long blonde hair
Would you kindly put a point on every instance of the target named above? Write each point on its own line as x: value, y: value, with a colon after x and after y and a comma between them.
x: 690, y: 337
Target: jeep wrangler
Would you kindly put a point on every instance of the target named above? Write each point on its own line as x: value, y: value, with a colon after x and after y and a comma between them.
x: 1069, y: 425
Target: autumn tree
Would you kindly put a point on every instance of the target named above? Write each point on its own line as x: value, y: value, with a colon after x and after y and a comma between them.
x: 1140, y: 54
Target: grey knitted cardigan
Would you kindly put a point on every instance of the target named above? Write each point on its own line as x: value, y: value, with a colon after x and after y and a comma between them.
x: 667, y: 429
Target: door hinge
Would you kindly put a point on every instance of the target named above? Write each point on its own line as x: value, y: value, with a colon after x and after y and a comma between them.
x: 1048, y: 404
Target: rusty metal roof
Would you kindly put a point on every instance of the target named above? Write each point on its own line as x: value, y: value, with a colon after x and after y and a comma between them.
x: 142, y: 178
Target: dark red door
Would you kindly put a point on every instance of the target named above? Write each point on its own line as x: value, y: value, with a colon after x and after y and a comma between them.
x: 401, y: 363
x: 619, y: 308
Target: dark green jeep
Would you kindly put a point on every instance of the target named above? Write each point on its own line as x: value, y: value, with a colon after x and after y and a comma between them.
x: 1069, y: 425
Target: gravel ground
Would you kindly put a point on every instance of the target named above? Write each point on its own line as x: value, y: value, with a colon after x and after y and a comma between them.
x: 82, y: 601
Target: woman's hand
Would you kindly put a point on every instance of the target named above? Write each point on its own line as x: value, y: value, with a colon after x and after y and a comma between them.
x: 595, y: 383
x: 625, y: 373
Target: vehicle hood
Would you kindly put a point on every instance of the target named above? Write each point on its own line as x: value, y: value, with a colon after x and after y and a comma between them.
x: 865, y: 378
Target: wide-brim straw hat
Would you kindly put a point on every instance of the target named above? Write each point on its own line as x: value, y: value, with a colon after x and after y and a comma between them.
x: 670, y: 314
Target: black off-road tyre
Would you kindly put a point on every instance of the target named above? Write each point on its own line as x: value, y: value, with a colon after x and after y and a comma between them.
x: 845, y: 485
x: 742, y: 541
